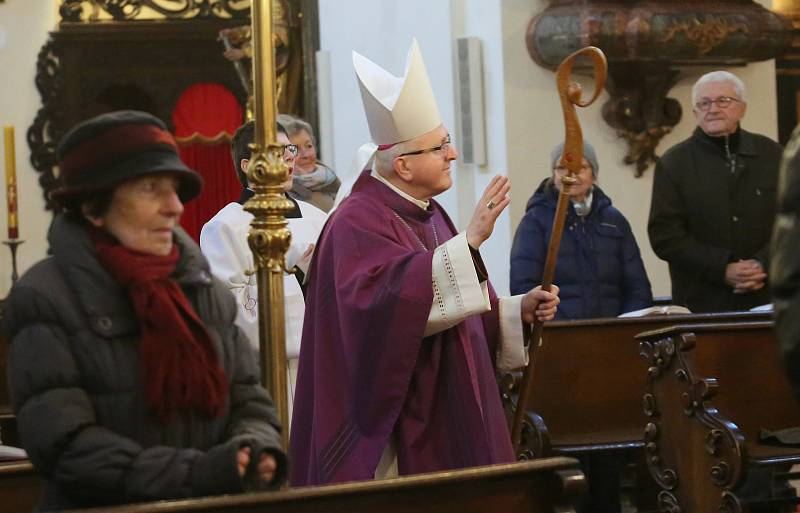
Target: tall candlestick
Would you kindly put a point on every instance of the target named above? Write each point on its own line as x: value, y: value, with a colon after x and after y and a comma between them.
x: 11, y: 183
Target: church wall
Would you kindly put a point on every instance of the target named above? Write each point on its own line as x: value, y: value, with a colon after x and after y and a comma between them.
x: 482, y: 19
x: 23, y: 31
x: 534, y: 126
x: 523, y: 114
x: 382, y: 31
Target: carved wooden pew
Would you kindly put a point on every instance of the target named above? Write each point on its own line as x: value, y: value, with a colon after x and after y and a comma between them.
x: 547, y: 485
x: 586, y: 388
x: 709, y: 391
x: 586, y: 396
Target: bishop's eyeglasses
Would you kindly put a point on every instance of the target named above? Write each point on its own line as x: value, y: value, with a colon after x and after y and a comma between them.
x: 441, y: 149
x: 723, y: 102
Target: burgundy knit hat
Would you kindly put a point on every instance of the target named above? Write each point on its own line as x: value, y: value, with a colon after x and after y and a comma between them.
x: 104, y: 151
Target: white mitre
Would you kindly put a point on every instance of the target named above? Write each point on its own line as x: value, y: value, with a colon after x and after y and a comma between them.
x: 398, y: 108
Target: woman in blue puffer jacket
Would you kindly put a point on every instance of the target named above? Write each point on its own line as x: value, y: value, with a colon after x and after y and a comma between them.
x: 599, y: 274
x: 599, y: 271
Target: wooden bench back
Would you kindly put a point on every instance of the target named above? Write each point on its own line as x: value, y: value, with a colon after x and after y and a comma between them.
x: 753, y: 389
x: 589, y: 378
x: 547, y: 485
x: 20, y: 487
x: 710, y: 389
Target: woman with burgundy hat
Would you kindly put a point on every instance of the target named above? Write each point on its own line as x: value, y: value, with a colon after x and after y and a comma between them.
x: 129, y: 378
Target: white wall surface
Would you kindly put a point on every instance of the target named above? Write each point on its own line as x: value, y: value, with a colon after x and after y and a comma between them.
x: 382, y: 31
x: 23, y: 30
x: 483, y: 19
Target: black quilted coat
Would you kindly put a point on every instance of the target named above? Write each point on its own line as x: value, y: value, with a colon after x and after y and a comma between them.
x: 77, y: 393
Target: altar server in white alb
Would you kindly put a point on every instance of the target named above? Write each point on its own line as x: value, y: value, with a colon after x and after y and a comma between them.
x: 223, y: 241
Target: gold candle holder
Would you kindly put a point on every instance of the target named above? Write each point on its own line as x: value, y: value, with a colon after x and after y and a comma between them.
x: 13, y: 244
x: 269, y: 236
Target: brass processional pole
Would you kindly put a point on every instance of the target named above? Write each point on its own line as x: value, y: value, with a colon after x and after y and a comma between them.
x: 269, y: 237
x: 571, y: 158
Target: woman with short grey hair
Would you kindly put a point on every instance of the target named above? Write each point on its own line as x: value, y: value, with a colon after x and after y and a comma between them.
x: 313, y: 181
x: 600, y: 271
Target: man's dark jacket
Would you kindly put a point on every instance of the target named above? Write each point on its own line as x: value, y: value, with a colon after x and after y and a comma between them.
x: 714, y: 203
x: 785, y: 267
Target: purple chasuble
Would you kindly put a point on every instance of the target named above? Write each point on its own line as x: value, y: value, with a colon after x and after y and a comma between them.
x: 366, y: 371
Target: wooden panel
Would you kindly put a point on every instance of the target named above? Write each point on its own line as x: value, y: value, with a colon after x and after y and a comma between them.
x: 589, y: 378
x: 547, y: 485
x: 753, y: 389
x: 710, y: 389
x: 20, y: 487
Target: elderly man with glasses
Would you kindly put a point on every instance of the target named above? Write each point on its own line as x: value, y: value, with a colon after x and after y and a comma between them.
x: 223, y: 241
x: 403, y: 329
x: 713, y: 204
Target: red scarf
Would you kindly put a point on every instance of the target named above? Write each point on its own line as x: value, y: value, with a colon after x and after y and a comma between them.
x: 180, y: 368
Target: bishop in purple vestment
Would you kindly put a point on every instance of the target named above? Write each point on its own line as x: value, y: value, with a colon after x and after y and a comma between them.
x: 403, y: 331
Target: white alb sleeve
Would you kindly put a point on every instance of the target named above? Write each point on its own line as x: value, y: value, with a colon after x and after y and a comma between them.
x: 512, y: 352
x: 457, y: 293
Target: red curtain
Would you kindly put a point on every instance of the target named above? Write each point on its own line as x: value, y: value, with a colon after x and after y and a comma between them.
x: 205, y: 118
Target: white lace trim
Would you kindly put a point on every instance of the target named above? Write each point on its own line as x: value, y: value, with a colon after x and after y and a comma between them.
x: 457, y: 293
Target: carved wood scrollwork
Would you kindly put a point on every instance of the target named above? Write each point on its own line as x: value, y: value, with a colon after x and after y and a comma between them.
x: 639, y: 109
x: 535, y: 440
x: 649, y: 405
x: 122, y: 10
x: 668, y: 503
x: 676, y: 403
x: 665, y: 477
x: 44, y: 132
x: 85, y: 69
x: 659, y: 355
x: 730, y: 503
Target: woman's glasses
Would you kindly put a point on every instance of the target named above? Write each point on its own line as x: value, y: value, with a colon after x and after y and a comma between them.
x: 291, y: 148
